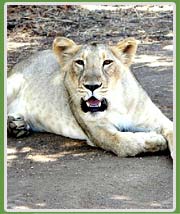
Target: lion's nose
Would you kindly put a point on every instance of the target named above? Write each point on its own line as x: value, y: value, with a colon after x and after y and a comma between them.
x: 92, y: 87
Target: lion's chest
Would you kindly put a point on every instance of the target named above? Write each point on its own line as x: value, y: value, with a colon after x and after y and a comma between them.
x: 123, y: 122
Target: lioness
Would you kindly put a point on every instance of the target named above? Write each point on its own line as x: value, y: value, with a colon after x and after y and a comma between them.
x: 87, y: 92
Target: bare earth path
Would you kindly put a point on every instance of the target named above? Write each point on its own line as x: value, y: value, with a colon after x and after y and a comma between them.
x: 49, y: 171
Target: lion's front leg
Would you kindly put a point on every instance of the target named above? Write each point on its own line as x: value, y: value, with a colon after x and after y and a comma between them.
x: 127, y: 143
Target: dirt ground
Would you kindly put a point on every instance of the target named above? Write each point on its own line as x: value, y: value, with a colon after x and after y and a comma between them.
x: 46, y: 171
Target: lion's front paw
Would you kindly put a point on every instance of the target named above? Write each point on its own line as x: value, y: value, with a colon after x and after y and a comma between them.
x: 169, y: 137
x: 168, y: 134
x: 155, y: 142
x: 17, y: 126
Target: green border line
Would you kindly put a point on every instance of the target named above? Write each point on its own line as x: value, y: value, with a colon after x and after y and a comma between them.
x: 1, y: 109
x: 2, y: 211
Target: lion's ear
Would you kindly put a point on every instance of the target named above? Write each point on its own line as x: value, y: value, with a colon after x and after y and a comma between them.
x: 128, y: 49
x: 63, y: 48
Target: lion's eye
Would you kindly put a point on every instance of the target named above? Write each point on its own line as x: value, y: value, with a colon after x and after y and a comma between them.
x: 107, y: 62
x: 79, y: 62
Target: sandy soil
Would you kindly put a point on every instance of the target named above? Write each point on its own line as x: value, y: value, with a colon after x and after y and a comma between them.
x: 49, y: 171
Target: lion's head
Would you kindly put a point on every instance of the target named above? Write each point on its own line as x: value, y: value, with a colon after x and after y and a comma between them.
x: 93, y: 72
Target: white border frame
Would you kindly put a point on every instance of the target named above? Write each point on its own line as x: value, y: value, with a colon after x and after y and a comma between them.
x: 5, y: 106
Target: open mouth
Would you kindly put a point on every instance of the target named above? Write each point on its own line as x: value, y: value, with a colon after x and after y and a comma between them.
x: 93, y: 105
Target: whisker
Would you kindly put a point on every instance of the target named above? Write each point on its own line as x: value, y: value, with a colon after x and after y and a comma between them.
x: 81, y: 91
x: 103, y: 91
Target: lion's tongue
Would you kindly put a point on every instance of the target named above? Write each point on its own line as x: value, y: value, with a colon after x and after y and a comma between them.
x: 93, y: 102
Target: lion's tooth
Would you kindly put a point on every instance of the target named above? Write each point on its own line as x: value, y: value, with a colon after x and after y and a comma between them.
x: 87, y: 104
x: 99, y: 105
